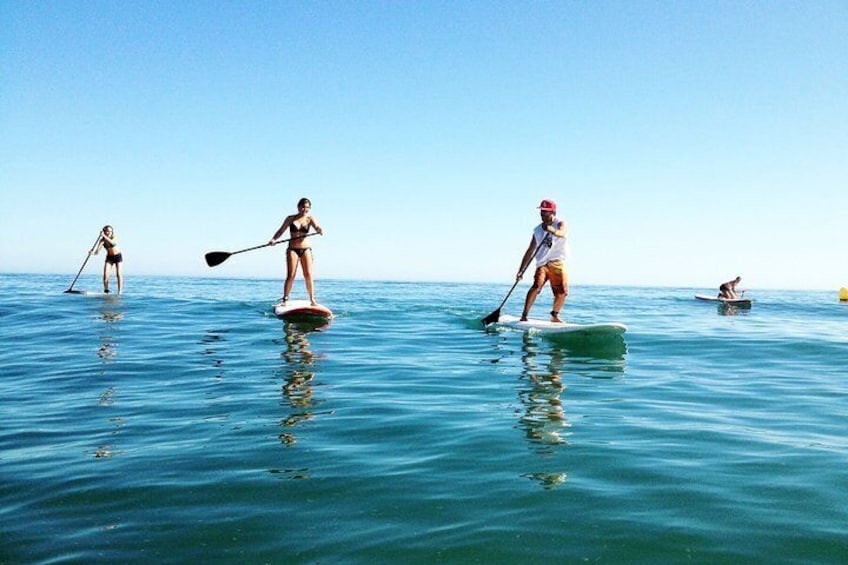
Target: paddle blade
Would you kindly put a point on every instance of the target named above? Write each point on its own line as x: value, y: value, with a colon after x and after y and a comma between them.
x: 70, y: 291
x: 215, y: 258
x: 491, y: 318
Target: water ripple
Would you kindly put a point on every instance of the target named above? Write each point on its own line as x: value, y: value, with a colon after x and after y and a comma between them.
x: 183, y: 422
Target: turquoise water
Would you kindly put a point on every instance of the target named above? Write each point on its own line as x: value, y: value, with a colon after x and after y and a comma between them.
x: 182, y: 423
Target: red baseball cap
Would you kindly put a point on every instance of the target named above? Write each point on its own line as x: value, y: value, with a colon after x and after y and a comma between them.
x: 548, y: 206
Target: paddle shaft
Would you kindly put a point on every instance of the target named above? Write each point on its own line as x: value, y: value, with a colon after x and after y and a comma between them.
x: 87, y: 257
x: 515, y: 284
x: 251, y: 248
x: 214, y: 258
x: 494, y: 316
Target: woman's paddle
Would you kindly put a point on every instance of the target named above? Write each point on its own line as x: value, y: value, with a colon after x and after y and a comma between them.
x: 215, y: 258
x: 87, y: 257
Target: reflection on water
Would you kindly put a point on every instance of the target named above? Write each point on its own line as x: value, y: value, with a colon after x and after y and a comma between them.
x: 298, y: 394
x: 545, y: 365
x: 601, y: 351
x: 544, y: 420
x: 211, y: 342
x: 547, y: 480
x: 107, y: 397
x: 298, y: 375
x: 733, y: 310
x: 106, y: 450
x: 214, y: 345
x: 111, y: 314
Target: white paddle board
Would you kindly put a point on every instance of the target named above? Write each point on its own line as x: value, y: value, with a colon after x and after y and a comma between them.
x: 743, y: 302
x: 92, y: 293
x: 546, y: 326
x: 302, y: 311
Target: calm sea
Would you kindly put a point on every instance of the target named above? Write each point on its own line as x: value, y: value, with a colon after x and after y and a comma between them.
x: 181, y: 422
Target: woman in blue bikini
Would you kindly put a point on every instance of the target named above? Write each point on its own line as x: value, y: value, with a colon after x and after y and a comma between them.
x: 298, y: 252
x: 114, y: 258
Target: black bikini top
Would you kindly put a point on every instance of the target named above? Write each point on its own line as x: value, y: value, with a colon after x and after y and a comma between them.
x: 107, y: 245
x: 296, y: 229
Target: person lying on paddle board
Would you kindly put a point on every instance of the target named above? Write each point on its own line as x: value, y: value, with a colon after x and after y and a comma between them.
x: 728, y: 289
x: 298, y: 253
x: 550, y: 248
x: 109, y: 241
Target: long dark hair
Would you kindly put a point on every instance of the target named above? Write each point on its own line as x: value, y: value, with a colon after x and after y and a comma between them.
x: 304, y: 202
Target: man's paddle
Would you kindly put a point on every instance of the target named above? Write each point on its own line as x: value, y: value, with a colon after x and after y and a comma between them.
x: 496, y: 315
x: 215, y: 258
x: 87, y: 257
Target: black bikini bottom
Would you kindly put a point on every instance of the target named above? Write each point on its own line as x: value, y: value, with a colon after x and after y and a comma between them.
x: 299, y: 251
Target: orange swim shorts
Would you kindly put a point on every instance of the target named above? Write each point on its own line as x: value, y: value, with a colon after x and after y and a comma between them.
x: 554, y: 272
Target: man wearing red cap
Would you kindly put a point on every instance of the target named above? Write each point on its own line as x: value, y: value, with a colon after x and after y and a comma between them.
x: 549, y: 245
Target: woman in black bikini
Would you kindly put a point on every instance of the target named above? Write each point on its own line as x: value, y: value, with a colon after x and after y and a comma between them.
x: 114, y: 258
x: 298, y: 252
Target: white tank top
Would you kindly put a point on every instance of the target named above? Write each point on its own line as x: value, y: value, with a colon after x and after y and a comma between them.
x: 553, y: 248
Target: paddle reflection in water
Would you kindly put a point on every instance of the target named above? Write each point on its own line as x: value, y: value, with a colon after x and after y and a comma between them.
x: 211, y: 342
x: 545, y: 365
x: 298, y: 371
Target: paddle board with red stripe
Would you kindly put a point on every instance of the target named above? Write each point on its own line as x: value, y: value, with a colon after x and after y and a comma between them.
x: 301, y: 311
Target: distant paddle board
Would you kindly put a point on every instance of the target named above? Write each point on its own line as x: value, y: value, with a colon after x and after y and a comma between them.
x: 89, y: 293
x: 302, y: 311
x: 741, y: 302
x: 546, y: 326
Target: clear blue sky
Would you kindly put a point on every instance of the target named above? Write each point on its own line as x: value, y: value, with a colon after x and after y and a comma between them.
x: 685, y: 142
